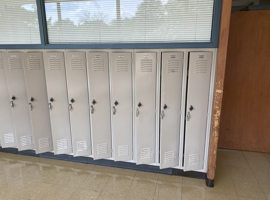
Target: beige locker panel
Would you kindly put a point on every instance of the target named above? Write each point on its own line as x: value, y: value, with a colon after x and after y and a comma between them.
x: 171, y: 94
x: 18, y: 100
x: 7, y: 132
x: 145, y: 102
x: 58, y: 101
x: 200, y: 64
x: 121, y: 101
x: 78, y: 102
x: 37, y: 101
x: 98, y: 77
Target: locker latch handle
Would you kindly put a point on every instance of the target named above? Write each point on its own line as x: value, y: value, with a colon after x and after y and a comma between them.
x: 70, y: 107
x: 11, y: 104
x: 113, y: 110
x: 188, y: 116
x: 30, y: 106
x: 162, y: 114
x: 92, y: 109
x: 137, y: 112
x: 50, y: 106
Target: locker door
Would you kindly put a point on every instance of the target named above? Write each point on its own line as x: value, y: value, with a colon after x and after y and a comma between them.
x: 37, y: 101
x: 121, y: 101
x: 18, y: 100
x: 200, y: 64
x: 7, y: 133
x: 58, y: 102
x: 98, y: 74
x: 171, y: 94
x: 145, y: 95
x: 78, y: 102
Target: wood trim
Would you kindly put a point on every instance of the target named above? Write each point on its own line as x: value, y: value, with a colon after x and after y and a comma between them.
x: 220, y: 75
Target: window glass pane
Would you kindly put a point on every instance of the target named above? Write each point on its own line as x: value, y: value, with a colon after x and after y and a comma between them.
x: 126, y: 21
x: 19, y: 22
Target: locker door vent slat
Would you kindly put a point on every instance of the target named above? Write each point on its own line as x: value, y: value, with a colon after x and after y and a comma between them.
x: 43, y: 143
x: 193, y: 159
x: 123, y: 150
x: 97, y: 64
x: 1, y: 63
x: 81, y: 146
x: 9, y: 138
x: 146, y: 65
x: 33, y: 64
x: 54, y: 64
x: 173, y: 66
x: 200, y: 66
x: 145, y: 153
x: 121, y: 65
x: 169, y: 157
x: 15, y: 63
x: 62, y: 144
x: 76, y: 64
x: 26, y: 140
x: 102, y: 148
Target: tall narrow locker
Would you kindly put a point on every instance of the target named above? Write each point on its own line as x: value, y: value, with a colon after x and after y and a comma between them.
x: 78, y: 102
x: 37, y: 101
x: 171, y: 94
x: 200, y: 64
x: 99, y: 92
x: 58, y: 101
x: 145, y: 100
x: 121, y: 101
x: 7, y: 132
x: 18, y: 100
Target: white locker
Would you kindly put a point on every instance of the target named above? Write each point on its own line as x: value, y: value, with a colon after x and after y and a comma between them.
x: 18, y: 100
x: 78, y: 102
x: 58, y: 101
x: 145, y: 100
x: 200, y: 64
x: 7, y: 132
x: 121, y: 101
x: 99, y: 92
x: 37, y: 101
x: 171, y: 94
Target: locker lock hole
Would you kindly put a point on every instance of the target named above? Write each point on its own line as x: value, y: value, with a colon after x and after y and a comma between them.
x: 13, y: 98
x: 31, y: 99
x: 165, y: 107
x: 116, y: 103
x: 72, y: 100
x: 94, y: 101
x: 139, y: 104
x: 191, y: 108
x: 51, y: 99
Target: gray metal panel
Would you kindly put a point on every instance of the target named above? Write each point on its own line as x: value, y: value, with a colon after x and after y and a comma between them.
x: 36, y: 89
x: 7, y: 132
x: 98, y: 77
x: 200, y: 64
x: 171, y: 95
x: 20, y: 110
x: 79, y: 109
x: 121, y: 80
x: 57, y: 90
x: 145, y: 122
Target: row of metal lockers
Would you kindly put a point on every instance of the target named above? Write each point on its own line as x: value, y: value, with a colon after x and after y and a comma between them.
x: 104, y: 105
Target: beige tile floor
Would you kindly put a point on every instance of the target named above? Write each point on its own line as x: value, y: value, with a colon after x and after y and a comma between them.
x: 240, y: 176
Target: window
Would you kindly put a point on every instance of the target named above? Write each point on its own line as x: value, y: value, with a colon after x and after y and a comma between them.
x: 19, y: 22
x: 129, y: 21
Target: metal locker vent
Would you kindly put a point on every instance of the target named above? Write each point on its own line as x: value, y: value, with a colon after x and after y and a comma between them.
x: 102, y: 148
x: 43, y: 143
x: 123, y: 150
x: 26, y: 140
x: 9, y: 138
x: 1, y: 63
x: 97, y: 64
x: 146, y: 65
x: 33, y: 64
x: 169, y: 157
x: 76, y: 64
x: 200, y: 66
x: 81, y: 146
x: 193, y: 159
x: 62, y: 144
x: 145, y: 153
x: 121, y: 65
x: 14, y: 63
x: 173, y: 66
x: 54, y: 64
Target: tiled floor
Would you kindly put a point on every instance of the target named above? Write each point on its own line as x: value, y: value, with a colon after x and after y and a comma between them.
x: 240, y: 176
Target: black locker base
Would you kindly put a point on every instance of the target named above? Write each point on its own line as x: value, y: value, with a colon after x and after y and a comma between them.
x: 110, y: 163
